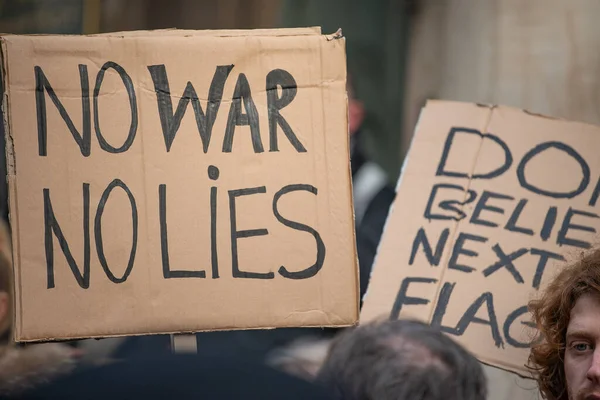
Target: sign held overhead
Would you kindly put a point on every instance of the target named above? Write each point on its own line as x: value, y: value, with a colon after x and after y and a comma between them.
x: 165, y: 182
x: 492, y: 201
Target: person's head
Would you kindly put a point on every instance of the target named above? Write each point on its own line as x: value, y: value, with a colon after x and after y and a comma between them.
x: 401, y: 359
x: 5, y: 297
x: 356, y: 109
x: 5, y: 281
x: 566, y: 359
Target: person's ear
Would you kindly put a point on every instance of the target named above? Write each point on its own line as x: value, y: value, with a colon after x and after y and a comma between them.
x: 3, y: 307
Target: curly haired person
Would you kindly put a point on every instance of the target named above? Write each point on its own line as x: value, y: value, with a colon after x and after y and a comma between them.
x: 566, y: 361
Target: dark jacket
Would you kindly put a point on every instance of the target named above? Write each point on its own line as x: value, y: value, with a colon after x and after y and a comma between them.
x: 371, y: 206
x: 179, y: 377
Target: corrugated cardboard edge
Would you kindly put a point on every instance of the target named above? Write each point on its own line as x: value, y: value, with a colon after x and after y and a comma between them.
x: 11, y: 170
x: 174, y: 32
x: 308, y: 31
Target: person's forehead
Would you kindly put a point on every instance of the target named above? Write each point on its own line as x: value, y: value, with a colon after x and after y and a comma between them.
x: 585, y: 315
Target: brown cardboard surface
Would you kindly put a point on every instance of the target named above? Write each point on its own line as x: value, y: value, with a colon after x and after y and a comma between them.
x: 458, y: 220
x: 133, y: 285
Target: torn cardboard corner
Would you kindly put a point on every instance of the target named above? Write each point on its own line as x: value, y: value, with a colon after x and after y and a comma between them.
x: 491, y: 203
x: 337, y: 35
x: 167, y: 182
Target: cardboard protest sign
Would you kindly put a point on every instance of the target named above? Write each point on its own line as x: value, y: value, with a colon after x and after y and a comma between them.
x: 166, y: 182
x: 491, y: 202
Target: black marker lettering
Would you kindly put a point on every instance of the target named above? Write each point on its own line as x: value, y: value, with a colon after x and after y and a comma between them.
x: 511, y: 225
x: 549, y: 222
x: 562, y: 238
x: 448, y: 205
x: 506, y: 261
x: 213, y: 174
x: 481, y: 205
x: 421, y: 239
x: 470, y: 317
x: 441, y: 306
x: 235, y: 235
x: 492, y: 174
x: 595, y: 194
x: 403, y: 299
x: 98, y: 231
x: 585, y: 180
x: 459, y: 249
x: 127, y: 82
x: 512, y: 317
x: 282, y: 78
x: 236, y: 118
x: 320, y: 260
x: 170, y: 122
x: 51, y: 226
x: 164, y: 242
x: 84, y: 139
x: 541, y: 267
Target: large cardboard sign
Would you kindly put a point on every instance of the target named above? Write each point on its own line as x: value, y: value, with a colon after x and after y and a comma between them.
x: 169, y: 181
x: 492, y: 201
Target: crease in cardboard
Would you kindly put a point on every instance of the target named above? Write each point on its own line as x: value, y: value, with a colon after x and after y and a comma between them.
x: 319, y: 86
x: 145, y: 88
x: 324, y: 140
x: 66, y: 96
x: 448, y: 250
x: 141, y: 121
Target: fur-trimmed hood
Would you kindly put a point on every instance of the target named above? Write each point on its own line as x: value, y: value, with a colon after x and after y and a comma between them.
x: 25, y: 368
